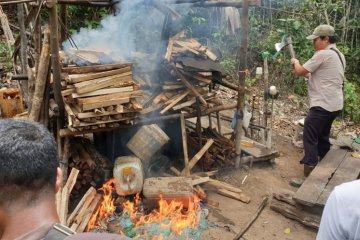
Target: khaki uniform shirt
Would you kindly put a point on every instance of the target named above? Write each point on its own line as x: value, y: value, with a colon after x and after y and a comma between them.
x: 326, y: 80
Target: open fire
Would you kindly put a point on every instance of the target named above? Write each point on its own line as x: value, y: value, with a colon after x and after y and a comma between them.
x: 171, y: 220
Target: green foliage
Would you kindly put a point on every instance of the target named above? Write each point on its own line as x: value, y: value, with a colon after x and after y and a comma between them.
x: 351, y: 101
x: 85, y: 17
x: 229, y: 64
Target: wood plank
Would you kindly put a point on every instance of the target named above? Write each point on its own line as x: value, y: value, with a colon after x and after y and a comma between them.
x: 104, y: 103
x: 184, y: 104
x: 348, y: 171
x: 137, y: 93
x: 86, y: 200
x: 95, y: 84
x: 103, y: 92
x: 94, y: 68
x: 237, y: 196
x: 314, y: 185
x: 294, y: 211
x: 181, y: 97
x: 258, y: 150
x: 197, y: 156
x: 76, y: 78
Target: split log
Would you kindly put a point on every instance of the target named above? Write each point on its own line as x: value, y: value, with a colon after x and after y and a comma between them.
x: 40, y: 82
x: 65, y: 195
x: 237, y: 196
x: 84, y: 203
x: 200, y: 180
x: 90, y: 204
x: 223, y: 185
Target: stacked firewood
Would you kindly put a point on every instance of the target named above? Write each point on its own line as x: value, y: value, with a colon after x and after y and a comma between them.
x: 94, y: 168
x: 100, y: 96
x: 190, y: 66
x: 221, y: 152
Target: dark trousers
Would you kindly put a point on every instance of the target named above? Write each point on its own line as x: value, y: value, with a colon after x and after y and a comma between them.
x: 316, y: 134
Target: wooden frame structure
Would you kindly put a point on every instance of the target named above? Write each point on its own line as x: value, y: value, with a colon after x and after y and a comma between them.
x: 31, y: 20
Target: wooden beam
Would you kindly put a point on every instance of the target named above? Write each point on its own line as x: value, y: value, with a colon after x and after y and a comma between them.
x: 94, y: 68
x: 198, y: 156
x: 237, y: 196
x: 185, y: 146
x: 40, y: 81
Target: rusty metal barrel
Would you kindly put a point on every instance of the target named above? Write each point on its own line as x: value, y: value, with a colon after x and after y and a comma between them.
x: 147, y: 141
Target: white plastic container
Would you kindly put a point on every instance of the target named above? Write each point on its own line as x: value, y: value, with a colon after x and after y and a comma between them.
x: 129, y: 175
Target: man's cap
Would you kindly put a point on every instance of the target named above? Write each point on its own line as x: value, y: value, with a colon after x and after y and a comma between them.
x: 322, y: 30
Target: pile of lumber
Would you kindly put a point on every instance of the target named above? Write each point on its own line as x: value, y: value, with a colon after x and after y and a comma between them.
x: 188, y: 78
x: 220, y: 153
x: 178, y: 45
x: 99, y: 96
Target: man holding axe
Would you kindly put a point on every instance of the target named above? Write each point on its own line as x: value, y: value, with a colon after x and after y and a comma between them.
x: 325, y: 73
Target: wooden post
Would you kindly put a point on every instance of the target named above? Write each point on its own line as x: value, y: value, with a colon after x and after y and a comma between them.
x: 23, y: 53
x: 184, y: 141
x: 64, y: 22
x: 7, y: 31
x: 54, y: 43
x: 40, y: 81
x: 244, y: 18
x: 266, y: 90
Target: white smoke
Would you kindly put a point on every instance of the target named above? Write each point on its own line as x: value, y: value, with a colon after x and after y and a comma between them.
x: 121, y: 35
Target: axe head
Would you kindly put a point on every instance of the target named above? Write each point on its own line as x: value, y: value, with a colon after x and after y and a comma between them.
x: 280, y: 46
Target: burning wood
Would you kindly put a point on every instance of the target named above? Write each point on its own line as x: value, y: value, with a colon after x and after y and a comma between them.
x: 170, y: 221
x: 100, y: 96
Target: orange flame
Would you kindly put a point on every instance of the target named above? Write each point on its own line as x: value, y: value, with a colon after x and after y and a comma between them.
x: 180, y: 219
x: 106, y: 208
x: 170, y: 215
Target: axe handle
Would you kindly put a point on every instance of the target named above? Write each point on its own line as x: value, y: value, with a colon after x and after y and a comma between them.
x: 290, y: 46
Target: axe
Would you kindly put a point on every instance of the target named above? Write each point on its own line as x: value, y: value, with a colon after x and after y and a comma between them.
x: 286, y: 41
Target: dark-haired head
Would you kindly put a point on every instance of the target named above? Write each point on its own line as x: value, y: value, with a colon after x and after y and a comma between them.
x: 28, y: 161
x: 332, y: 39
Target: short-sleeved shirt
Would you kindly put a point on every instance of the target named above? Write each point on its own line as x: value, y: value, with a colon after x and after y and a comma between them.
x: 341, y: 216
x: 326, y: 80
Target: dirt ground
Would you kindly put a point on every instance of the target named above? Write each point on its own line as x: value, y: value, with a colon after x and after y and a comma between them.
x: 262, y: 179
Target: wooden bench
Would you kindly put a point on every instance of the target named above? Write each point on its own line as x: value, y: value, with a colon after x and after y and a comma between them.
x: 338, y: 166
